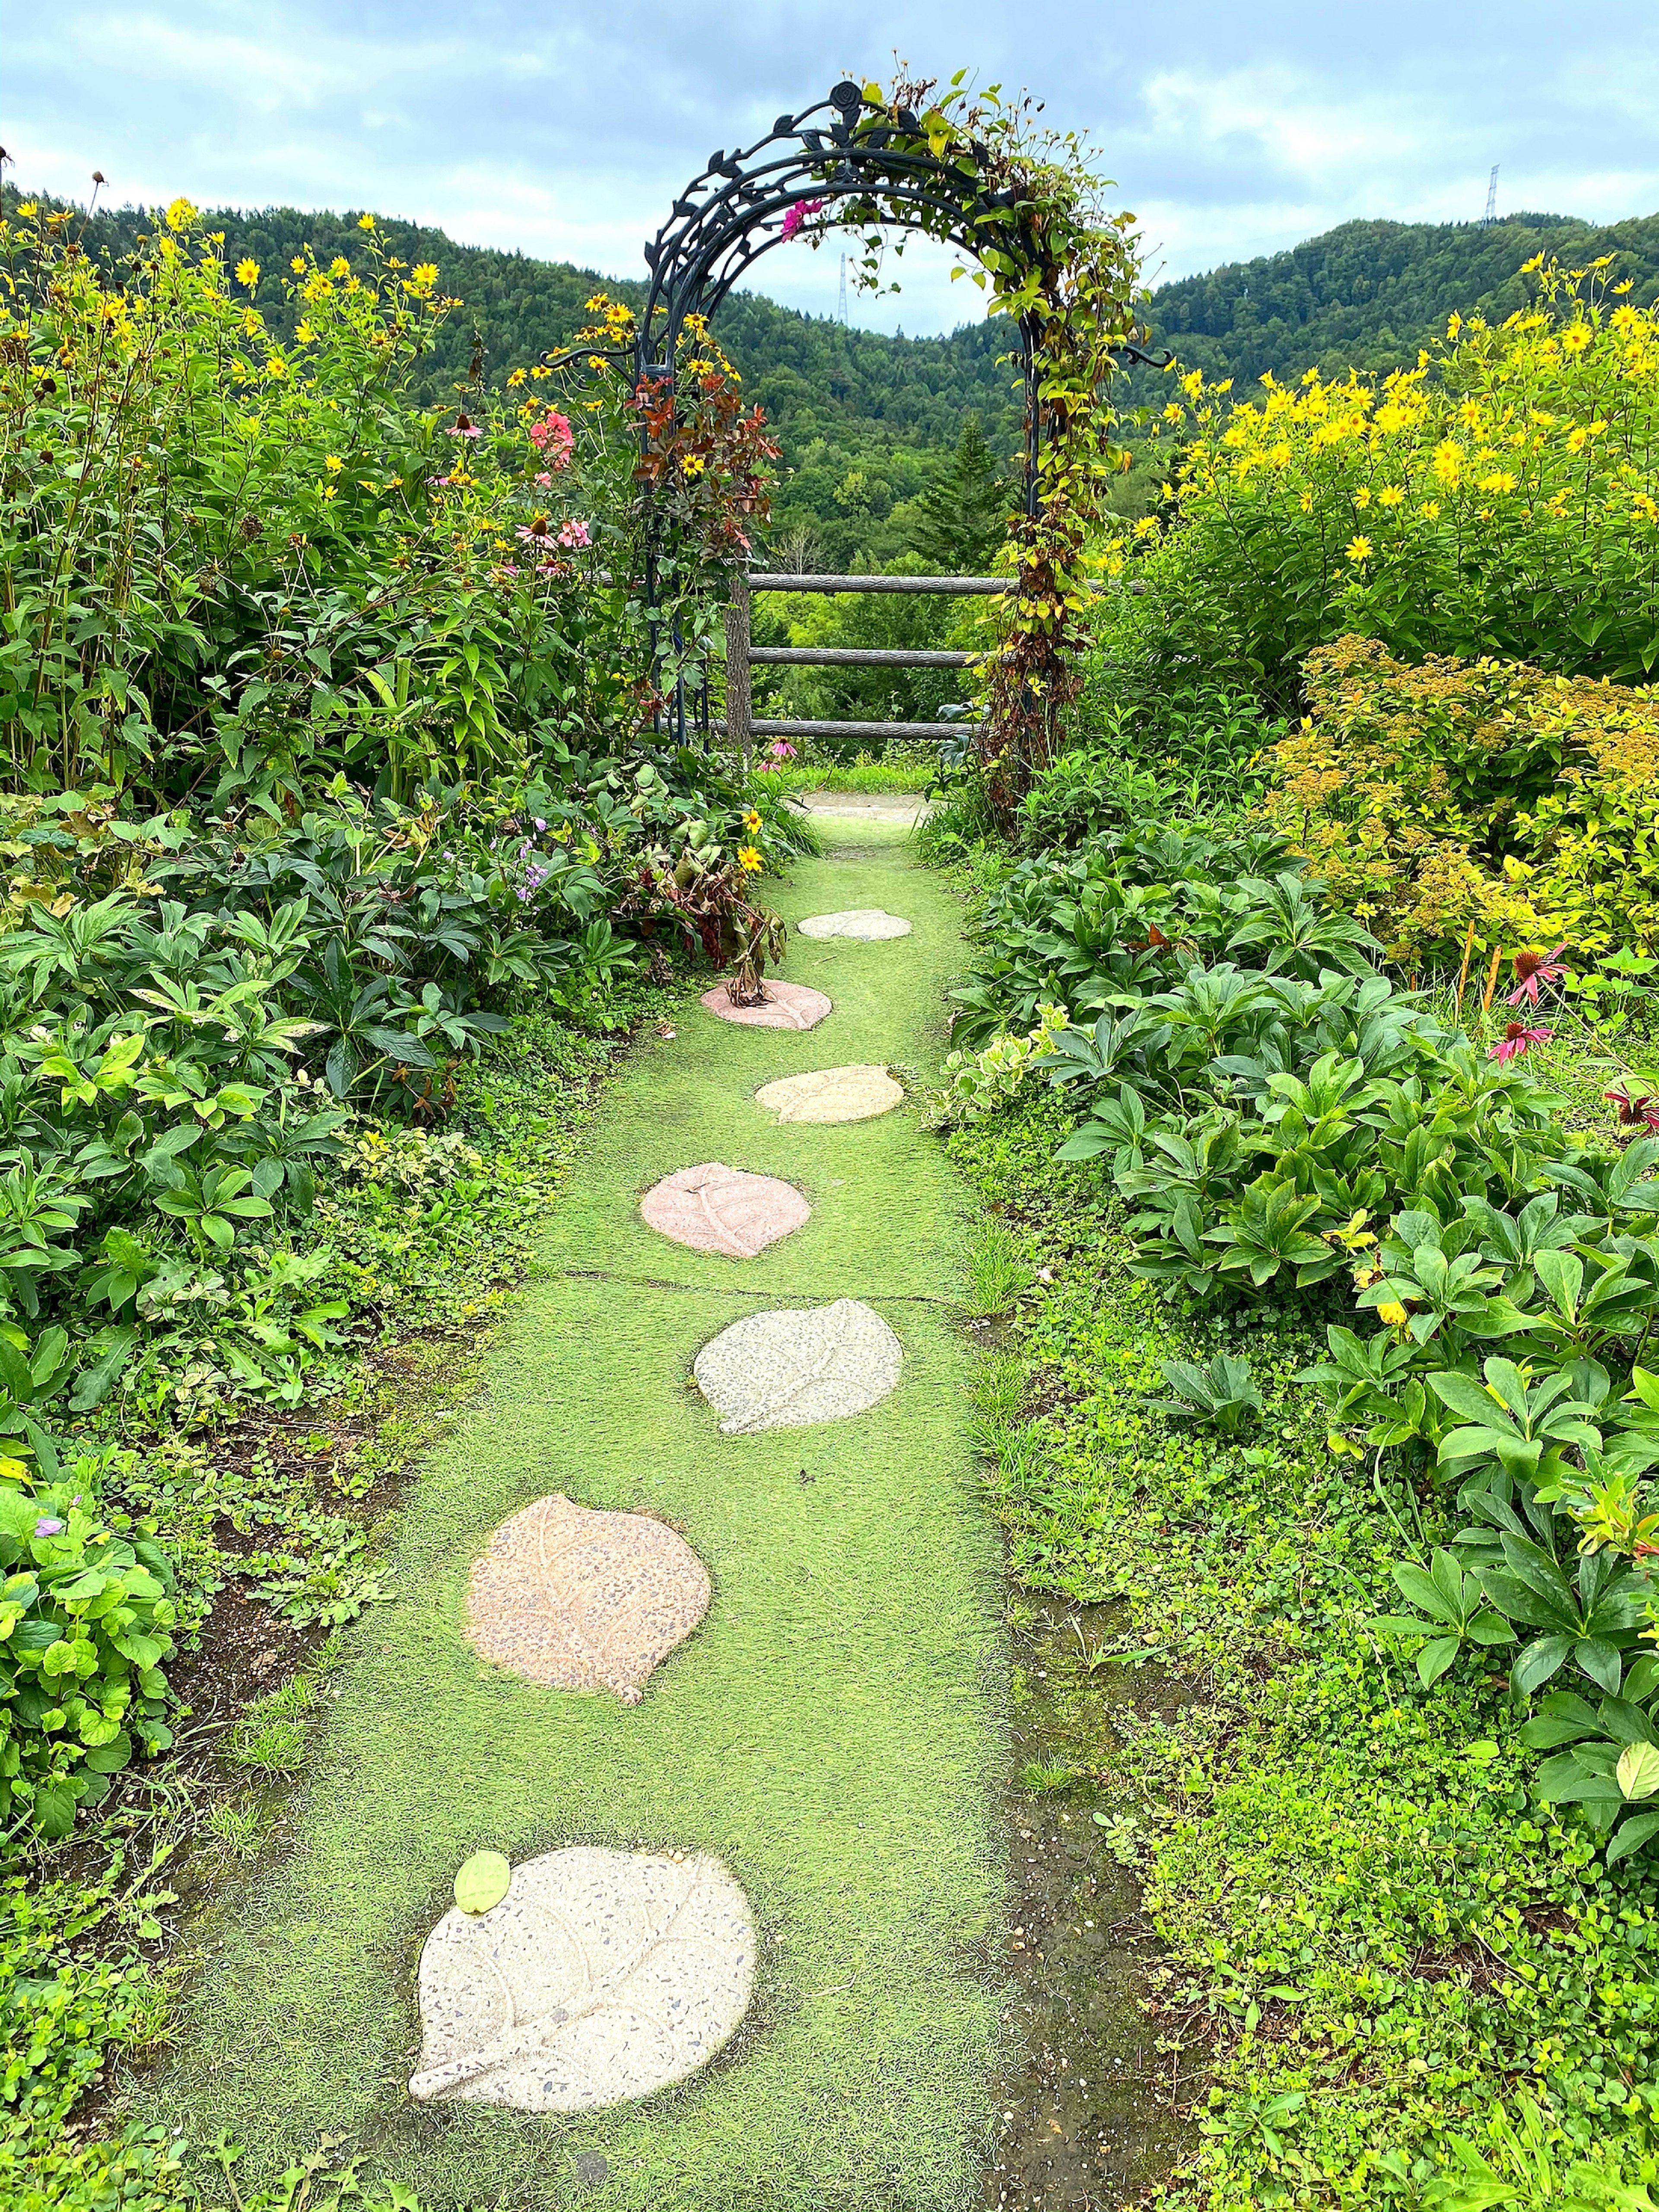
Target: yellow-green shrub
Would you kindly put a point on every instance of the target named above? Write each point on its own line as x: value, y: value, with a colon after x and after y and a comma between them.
x: 1486, y: 792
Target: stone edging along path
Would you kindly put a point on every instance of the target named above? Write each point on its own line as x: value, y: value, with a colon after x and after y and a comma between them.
x: 769, y: 1826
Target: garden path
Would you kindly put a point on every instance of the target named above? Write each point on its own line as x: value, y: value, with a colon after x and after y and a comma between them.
x: 830, y: 1732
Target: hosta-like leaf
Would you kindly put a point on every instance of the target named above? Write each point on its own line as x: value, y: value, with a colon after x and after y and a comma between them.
x: 788, y: 1369
x: 600, y: 1976
x: 1637, y: 1771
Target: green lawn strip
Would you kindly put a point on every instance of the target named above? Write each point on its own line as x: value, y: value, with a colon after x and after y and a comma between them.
x: 830, y: 1732
x: 1370, y: 1936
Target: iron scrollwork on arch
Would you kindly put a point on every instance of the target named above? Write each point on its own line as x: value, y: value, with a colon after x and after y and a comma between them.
x: 862, y: 167
x: 876, y: 171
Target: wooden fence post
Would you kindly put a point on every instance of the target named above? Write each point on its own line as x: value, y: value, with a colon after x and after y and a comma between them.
x: 738, y: 699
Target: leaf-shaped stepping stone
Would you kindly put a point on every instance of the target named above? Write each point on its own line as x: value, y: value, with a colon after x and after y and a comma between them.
x: 599, y: 1977
x: 583, y: 1599
x: 789, y: 1007
x: 788, y: 1369
x: 719, y: 1209
x: 831, y: 1094
x: 868, y: 922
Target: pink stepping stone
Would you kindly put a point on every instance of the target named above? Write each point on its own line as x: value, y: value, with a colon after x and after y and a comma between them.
x: 789, y: 1007
x: 719, y: 1209
x: 583, y: 1599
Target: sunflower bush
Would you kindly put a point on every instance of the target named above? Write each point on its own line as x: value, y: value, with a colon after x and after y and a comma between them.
x: 1501, y: 498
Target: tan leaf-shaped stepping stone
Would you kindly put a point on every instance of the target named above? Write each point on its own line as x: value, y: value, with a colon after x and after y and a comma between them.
x: 789, y: 1007
x: 584, y: 1599
x: 719, y: 1209
x: 831, y: 1094
x: 600, y: 1976
x: 788, y: 1369
x: 869, y: 922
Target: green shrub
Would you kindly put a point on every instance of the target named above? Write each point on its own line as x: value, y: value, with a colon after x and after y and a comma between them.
x: 1457, y: 805
x: 84, y: 1612
x: 1496, y: 499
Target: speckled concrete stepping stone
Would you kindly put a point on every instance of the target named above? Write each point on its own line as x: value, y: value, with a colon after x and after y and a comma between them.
x: 831, y: 1094
x: 583, y: 1599
x: 790, y: 1368
x: 719, y: 1209
x: 789, y: 1007
x: 869, y: 922
x: 600, y: 1976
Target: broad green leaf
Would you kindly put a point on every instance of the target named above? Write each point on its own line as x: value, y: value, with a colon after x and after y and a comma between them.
x: 1638, y: 1771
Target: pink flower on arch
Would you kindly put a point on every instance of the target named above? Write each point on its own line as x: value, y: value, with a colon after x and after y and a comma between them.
x: 1514, y: 1040
x: 1532, y: 969
x: 573, y: 534
x: 795, y: 217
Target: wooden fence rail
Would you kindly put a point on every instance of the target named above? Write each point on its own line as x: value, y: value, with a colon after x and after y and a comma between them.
x: 741, y: 658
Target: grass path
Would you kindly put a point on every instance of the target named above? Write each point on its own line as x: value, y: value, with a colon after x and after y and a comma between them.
x: 832, y: 1732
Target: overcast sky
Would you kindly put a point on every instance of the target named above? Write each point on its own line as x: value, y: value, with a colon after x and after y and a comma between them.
x: 564, y: 127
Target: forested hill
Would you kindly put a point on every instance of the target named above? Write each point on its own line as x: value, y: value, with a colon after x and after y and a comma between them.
x: 867, y: 420
x: 1368, y: 295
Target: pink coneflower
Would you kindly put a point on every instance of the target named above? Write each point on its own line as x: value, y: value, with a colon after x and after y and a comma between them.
x: 535, y: 533
x: 1641, y: 1108
x: 1514, y: 1040
x: 463, y: 427
x: 795, y: 216
x: 1532, y: 969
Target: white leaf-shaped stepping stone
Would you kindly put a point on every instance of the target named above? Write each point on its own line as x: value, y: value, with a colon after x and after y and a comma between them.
x: 831, y: 1094
x: 719, y: 1209
x: 863, y: 922
x: 789, y: 1007
x: 584, y: 1599
x: 788, y: 1369
x: 600, y: 1976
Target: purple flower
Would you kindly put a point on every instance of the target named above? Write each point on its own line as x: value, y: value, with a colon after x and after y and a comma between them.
x: 47, y: 1525
x: 540, y: 824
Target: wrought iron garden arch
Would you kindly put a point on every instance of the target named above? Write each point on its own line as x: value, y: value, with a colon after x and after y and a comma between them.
x: 872, y: 165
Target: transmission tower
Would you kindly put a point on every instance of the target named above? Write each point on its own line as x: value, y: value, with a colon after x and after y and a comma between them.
x: 840, y: 303
x: 1491, y: 214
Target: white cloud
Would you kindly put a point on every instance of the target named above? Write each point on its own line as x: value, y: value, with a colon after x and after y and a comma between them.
x: 566, y: 130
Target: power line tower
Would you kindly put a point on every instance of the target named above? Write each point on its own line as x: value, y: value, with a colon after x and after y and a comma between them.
x: 1491, y: 215
x: 840, y: 303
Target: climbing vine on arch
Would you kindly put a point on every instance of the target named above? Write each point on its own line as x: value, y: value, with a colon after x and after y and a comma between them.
x: 1021, y: 203
x: 1065, y: 271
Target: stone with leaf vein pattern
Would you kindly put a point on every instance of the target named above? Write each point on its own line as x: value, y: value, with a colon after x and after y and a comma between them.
x: 599, y: 1977
x: 791, y: 1367
x: 831, y: 1094
x: 714, y: 1208
x: 580, y: 1599
x: 869, y: 923
x: 787, y: 1006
